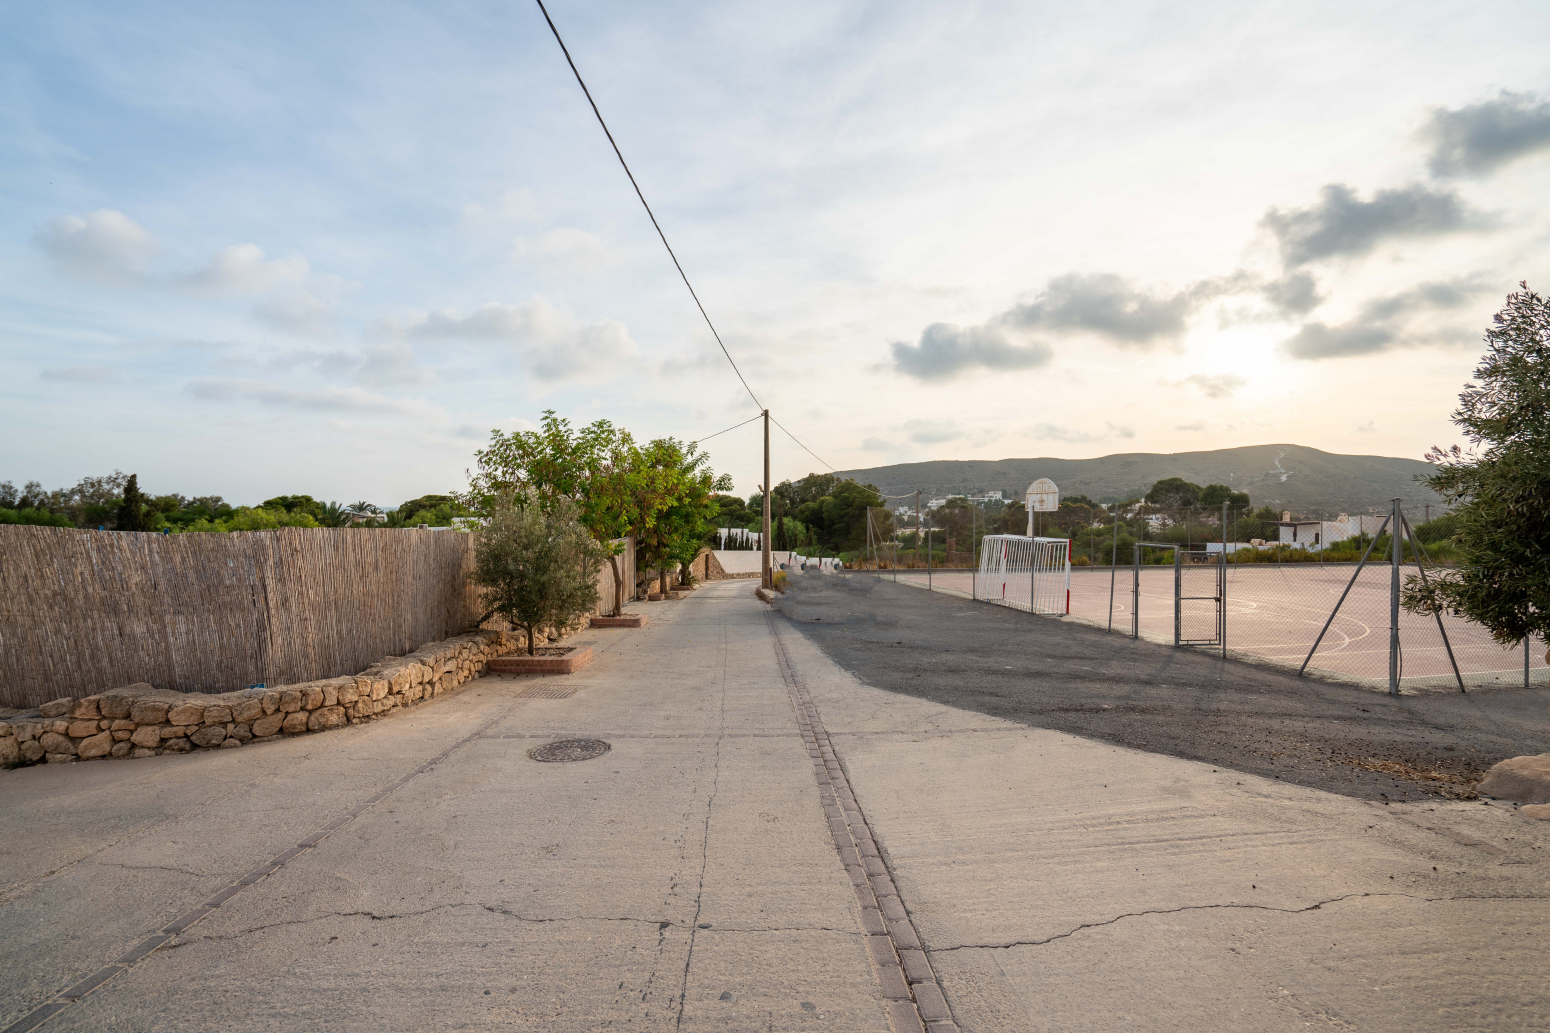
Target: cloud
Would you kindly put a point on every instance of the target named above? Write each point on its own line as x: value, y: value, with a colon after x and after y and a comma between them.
x: 1366, y: 428
x: 946, y: 350
x: 1294, y: 293
x: 1050, y: 432
x: 1199, y: 425
x: 242, y: 269
x: 1220, y: 385
x: 297, y: 311
x: 567, y: 246
x: 1120, y: 431
x: 105, y: 246
x: 82, y: 374
x: 328, y: 399
x: 1105, y: 305
x: 1379, y: 325
x: 512, y: 206
x: 876, y: 445
x: 553, y: 341
x: 1341, y: 224
x: 932, y: 432
x: 1481, y: 138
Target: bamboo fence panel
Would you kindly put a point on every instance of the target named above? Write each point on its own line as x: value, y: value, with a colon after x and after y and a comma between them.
x: 84, y: 611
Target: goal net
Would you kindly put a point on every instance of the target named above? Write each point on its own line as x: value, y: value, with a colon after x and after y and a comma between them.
x: 1031, y: 574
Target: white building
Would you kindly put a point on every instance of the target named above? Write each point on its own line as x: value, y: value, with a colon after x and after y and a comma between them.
x: 1319, y: 534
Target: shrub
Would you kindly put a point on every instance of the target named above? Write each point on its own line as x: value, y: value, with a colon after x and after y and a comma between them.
x: 538, y: 567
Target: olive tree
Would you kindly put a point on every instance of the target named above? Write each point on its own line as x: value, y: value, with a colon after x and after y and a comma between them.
x: 538, y: 566
x: 1501, y: 483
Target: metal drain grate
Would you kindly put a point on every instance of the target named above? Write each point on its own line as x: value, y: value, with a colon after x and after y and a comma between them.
x: 547, y: 692
x: 564, y: 750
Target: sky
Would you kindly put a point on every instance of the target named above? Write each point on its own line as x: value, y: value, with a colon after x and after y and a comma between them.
x: 252, y: 249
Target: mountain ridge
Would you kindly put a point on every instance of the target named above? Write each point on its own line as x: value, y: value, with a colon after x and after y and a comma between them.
x: 1305, y: 480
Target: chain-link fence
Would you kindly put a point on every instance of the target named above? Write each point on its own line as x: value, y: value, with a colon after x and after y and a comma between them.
x: 1315, y: 594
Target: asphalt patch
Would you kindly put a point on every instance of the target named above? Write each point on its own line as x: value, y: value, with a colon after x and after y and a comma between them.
x: 1048, y: 673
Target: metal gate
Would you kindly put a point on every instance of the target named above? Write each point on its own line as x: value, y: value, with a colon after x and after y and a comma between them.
x: 1199, y: 598
x: 1199, y: 595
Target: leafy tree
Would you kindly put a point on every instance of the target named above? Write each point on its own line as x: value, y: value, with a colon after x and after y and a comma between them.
x: 295, y: 504
x: 1174, y: 493
x: 133, y: 513
x: 1500, y: 487
x: 1214, y: 495
x: 538, y: 566
x: 688, y: 519
x: 622, y: 488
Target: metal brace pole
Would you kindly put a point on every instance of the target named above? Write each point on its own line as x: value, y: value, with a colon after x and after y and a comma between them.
x: 1223, y: 586
x: 1349, y: 585
x: 1415, y: 546
x: 1178, y: 602
x: 1395, y: 541
x: 1135, y: 595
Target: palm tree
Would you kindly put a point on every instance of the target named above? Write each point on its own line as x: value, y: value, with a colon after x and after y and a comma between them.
x: 358, y: 511
x: 333, y: 515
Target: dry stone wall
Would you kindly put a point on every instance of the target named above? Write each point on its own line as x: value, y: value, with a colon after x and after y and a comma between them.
x: 141, y: 720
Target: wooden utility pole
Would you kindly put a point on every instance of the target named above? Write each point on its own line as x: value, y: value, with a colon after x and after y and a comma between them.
x: 766, y: 578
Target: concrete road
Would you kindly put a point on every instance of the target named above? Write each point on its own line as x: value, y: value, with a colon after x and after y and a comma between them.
x: 689, y: 878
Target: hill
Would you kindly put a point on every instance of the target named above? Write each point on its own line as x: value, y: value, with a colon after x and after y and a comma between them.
x: 1305, y: 480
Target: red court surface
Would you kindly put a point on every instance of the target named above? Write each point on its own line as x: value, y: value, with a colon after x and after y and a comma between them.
x: 1274, y: 613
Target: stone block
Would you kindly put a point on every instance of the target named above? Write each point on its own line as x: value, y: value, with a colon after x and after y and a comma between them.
x: 326, y: 717
x: 230, y: 744
x: 148, y: 712
x: 247, y: 712
x: 311, y: 696
x: 10, y: 752
x: 122, y: 734
x: 270, y: 702
x: 186, y: 714
x: 350, y: 692
x: 59, y: 758
x: 99, y: 745
x: 217, y: 715
x: 209, y: 735
x: 148, y: 736
x: 290, y: 701
x: 295, y: 722
x: 60, y: 725
x: 57, y: 707
x: 175, y: 732
x: 240, y: 731
x: 330, y: 694
x: 32, y: 752
x: 380, y: 687
x: 53, y: 742
x: 81, y: 729
x: 143, y: 751
x: 1520, y: 779
x: 121, y: 750
x: 267, y: 725
x: 86, y: 709
x: 24, y: 730
x: 115, y: 706
x: 177, y: 746
x: 122, y: 725
x: 103, y: 724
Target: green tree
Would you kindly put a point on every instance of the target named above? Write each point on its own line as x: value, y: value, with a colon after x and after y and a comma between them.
x: 134, y: 514
x: 295, y: 504
x: 1174, y: 493
x: 538, y: 566
x: 1214, y: 495
x: 1500, y: 487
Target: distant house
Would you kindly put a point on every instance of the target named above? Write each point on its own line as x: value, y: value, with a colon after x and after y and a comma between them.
x: 1319, y: 534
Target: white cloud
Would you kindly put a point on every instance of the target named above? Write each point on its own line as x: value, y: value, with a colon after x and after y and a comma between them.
x: 297, y: 311
x: 1218, y: 385
x: 82, y: 374
x: 328, y: 399
x: 568, y: 246
x: 105, y: 246
x: 512, y: 206
x: 553, y: 341
x: 242, y: 269
x: 932, y: 432
x: 876, y: 445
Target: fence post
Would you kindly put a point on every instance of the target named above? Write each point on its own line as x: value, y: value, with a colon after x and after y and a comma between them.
x: 1178, y: 602
x: 1113, y: 563
x: 1525, y: 661
x: 1395, y: 538
x: 928, y: 560
x: 1135, y: 594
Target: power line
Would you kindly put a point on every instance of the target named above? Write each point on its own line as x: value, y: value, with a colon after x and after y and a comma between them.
x: 718, y: 433
x: 830, y: 465
x: 649, y: 212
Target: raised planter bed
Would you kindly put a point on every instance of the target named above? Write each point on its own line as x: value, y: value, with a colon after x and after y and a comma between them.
x: 553, y: 660
x: 624, y: 620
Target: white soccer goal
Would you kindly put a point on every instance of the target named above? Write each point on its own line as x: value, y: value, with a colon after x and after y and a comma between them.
x: 1031, y: 574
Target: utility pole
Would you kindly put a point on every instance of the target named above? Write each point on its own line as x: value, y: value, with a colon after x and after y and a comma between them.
x: 766, y: 579
x: 917, y: 527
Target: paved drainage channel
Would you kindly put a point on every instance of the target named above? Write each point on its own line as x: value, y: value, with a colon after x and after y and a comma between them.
x: 148, y: 946
x: 909, y: 985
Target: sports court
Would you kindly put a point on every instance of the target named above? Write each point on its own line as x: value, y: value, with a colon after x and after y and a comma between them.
x: 1274, y: 613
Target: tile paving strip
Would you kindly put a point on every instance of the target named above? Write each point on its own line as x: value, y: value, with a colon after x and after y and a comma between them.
x: 909, y: 985
x: 148, y: 946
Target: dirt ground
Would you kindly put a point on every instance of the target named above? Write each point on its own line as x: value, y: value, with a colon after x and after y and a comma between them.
x: 1046, y: 673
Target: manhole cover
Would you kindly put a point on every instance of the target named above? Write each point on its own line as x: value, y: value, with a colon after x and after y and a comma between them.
x: 569, y: 749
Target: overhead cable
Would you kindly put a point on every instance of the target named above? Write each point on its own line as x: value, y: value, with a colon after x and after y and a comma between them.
x: 649, y: 212
x: 718, y: 433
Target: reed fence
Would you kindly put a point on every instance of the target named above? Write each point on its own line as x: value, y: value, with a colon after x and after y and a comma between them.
x: 84, y: 611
